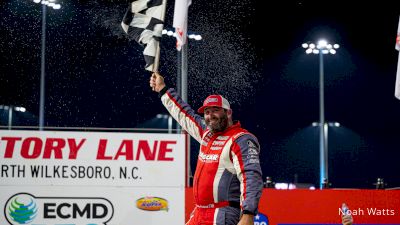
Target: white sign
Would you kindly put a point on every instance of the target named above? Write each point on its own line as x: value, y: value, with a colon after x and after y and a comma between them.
x: 91, y: 178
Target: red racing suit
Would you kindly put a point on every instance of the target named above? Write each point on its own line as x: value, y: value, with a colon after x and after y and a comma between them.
x: 228, y: 177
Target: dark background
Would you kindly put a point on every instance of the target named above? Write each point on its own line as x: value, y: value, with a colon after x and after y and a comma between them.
x: 251, y: 53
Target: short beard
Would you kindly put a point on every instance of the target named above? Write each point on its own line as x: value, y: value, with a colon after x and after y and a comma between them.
x: 220, y: 126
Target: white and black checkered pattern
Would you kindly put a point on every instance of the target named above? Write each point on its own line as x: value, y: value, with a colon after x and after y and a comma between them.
x: 143, y: 22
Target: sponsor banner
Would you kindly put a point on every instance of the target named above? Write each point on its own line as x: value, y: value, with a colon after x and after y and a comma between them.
x: 95, y: 158
x: 324, y: 206
x: 315, y: 207
x: 95, y: 206
x: 91, y: 178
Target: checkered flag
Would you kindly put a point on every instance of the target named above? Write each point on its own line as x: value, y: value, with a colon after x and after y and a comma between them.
x: 143, y: 22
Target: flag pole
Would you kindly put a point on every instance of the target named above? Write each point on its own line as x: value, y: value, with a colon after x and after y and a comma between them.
x: 397, y: 85
x: 157, y: 56
x: 184, y: 69
x: 184, y: 94
x: 180, y: 25
x: 179, y: 83
x: 397, y: 47
x: 157, y: 59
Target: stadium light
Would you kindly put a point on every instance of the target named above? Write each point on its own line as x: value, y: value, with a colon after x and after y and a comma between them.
x: 322, y: 48
x: 49, y: 3
x: 193, y: 36
x: 10, y: 110
x: 331, y: 124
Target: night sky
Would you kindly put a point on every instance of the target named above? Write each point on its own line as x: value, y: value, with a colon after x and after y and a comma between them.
x: 251, y: 53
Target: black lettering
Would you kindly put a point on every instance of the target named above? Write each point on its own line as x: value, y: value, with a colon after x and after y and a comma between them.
x: 122, y: 172
x: 64, y: 172
x: 73, y: 170
x: 96, y: 211
x: 47, y: 172
x: 4, y: 171
x: 35, y: 171
x: 133, y: 172
x: 56, y: 172
x: 76, y: 209
x: 98, y: 172
x: 47, y: 210
x: 59, y: 210
x: 107, y: 172
x: 81, y: 170
x: 89, y: 172
x: 21, y: 170
x: 13, y: 170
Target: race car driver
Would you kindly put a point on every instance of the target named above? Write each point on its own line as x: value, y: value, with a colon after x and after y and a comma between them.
x: 228, y: 182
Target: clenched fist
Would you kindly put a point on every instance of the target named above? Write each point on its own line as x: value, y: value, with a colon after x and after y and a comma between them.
x: 157, y: 82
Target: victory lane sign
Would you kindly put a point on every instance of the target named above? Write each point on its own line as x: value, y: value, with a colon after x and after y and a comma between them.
x: 70, y: 158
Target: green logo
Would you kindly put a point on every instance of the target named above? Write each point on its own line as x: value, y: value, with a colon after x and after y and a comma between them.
x: 22, y: 209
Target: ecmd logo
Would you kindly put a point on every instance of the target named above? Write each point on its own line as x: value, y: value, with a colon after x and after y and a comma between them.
x: 260, y: 219
x: 24, y: 208
x: 21, y: 209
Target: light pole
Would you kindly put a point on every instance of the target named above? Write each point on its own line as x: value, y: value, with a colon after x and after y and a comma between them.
x: 45, y: 4
x: 326, y: 126
x: 182, y: 88
x: 10, y: 109
x: 323, y: 47
x: 182, y: 61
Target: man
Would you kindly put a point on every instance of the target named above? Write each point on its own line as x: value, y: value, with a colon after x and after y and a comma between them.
x: 228, y: 180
